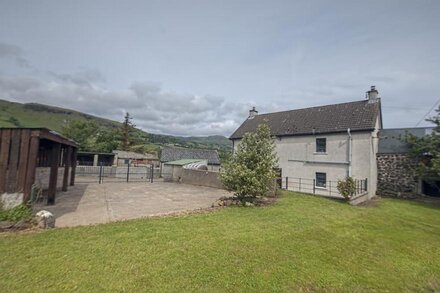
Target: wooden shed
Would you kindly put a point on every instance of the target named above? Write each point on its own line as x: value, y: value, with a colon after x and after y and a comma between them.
x: 31, y: 156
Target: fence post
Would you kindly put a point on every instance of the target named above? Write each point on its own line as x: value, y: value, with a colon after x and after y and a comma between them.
x: 330, y: 188
x: 299, y: 184
x: 366, y: 184
x: 314, y: 186
x: 287, y: 183
x: 128, y: 171
x: 152, y: 173
x: 100, y: 174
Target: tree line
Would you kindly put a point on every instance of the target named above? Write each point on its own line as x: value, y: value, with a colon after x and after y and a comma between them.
x: 92, y: 137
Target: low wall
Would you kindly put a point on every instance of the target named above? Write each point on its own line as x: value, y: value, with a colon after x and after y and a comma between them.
x: 202, y: 178
x: 396, y: 176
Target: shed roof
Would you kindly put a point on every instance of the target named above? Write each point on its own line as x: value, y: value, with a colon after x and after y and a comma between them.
x: 173, y: 153
x: 48, y: 134
x: 358, y: 116
x: 183, y: 162
x: 392, y: 141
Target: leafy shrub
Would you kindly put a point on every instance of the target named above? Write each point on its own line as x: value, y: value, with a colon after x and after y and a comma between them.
x: 347, y: 187
x: 251, y: 170
x: 16, y: 214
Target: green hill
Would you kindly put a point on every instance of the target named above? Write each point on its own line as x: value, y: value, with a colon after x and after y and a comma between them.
x: 39, y: 115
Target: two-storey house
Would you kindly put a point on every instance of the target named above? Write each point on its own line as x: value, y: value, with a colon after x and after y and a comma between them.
x: 320, y: 145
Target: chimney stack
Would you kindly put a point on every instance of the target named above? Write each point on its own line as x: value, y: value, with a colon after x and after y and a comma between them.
x: 252, y: 113
x: 372, y: 94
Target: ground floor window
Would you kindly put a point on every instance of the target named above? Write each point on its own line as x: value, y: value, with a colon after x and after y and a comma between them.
x: 321, y: 179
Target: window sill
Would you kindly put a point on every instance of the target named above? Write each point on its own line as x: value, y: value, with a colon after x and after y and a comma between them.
x: 320, y: 153
x: 320, y: 187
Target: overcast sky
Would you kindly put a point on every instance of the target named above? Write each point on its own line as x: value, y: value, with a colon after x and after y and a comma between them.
x: 196, y: 67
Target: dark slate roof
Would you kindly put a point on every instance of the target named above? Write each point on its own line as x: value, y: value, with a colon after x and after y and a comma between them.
x: 392, y: 141
x: 173, y: 154
x: 357, y: 116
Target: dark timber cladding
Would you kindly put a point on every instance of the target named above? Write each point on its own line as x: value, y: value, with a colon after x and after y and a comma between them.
x: 23, y: 150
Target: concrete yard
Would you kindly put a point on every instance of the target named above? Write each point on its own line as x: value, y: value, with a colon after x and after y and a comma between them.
x: 93, y: 203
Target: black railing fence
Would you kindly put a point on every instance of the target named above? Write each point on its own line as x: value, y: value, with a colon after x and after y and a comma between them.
x: 126, y: 173
x: 307, y: 185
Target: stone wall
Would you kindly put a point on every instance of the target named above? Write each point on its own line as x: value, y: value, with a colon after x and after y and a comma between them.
x: 202, y: 178
x: 396, y: 176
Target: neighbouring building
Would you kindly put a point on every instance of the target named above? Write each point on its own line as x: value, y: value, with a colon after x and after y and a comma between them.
x: 318, y: 146
x: 34, y: 157
x: 123, y: 158
x: 397, y: 170
x: 172, y: 171
x: 169, y: 154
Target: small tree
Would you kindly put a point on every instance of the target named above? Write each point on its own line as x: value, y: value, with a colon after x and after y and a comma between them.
x: 91, y: 137
x: 426, y: 150
x: 250, y: 171
x: 83, y: 132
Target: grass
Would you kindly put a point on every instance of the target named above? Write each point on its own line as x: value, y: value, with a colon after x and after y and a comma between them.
x: 300, y: 243
x: 21, y: 212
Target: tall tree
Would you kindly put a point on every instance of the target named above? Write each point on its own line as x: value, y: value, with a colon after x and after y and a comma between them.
x: 251, y: 170
x: 127, y: 130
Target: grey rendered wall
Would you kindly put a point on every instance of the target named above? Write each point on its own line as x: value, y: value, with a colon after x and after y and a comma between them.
x: 202, y: 178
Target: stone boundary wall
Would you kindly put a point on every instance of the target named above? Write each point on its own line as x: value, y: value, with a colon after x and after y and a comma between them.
x: 396, y: 176
x: 202, y: 178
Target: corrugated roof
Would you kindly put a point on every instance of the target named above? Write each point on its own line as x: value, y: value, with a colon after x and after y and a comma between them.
x: 182, y: 162
x: 359, y: 115
x: 173, y: 153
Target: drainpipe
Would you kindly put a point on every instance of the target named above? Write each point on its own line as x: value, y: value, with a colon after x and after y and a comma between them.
x: 349, y: 151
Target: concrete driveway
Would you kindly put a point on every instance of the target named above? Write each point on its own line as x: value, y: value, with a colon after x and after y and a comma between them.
x: 93, y: 203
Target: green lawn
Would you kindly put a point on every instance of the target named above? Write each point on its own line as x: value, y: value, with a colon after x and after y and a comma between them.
x: 300, y: 243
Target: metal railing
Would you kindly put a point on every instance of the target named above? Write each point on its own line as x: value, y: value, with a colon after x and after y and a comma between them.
x: 307, y: 185
x: 127, y: 173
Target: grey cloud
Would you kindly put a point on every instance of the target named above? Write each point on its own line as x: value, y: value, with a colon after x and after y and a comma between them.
x: 15, y: 53
x: 153, y: 109
x: 83, y: 77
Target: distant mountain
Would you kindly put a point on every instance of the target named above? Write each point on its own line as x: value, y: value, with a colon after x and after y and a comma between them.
x: 38, y: 115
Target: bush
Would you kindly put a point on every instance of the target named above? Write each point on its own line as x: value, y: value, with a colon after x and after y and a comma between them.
x: 347, y: 187
x: 16, y: 214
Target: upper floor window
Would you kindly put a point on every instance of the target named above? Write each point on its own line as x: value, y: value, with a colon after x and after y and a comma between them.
x: 321, y: 145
